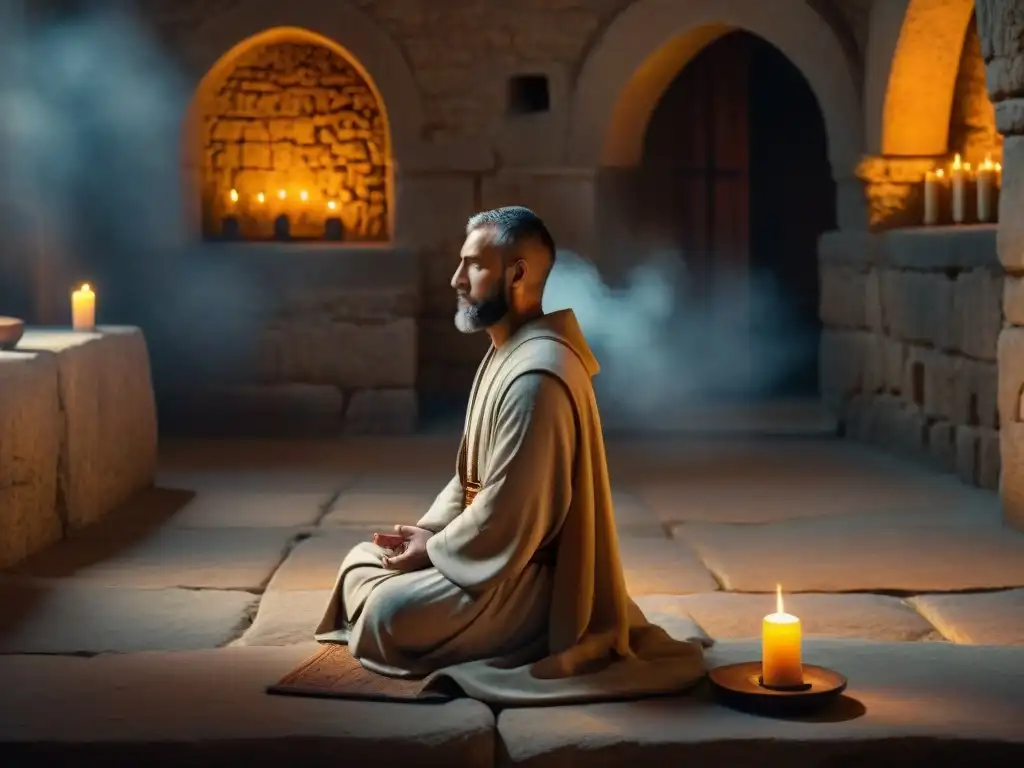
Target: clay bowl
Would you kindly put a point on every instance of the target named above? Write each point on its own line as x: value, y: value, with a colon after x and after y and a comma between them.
x: 11, y: 329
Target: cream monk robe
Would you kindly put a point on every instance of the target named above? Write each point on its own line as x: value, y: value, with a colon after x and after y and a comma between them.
x: 511, y: 585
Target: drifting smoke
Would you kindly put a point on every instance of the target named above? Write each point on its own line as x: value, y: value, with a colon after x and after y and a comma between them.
x: 91, y: 119
x: 660, y: 354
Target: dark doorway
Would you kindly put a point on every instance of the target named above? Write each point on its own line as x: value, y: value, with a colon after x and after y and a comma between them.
x: 736, y: 174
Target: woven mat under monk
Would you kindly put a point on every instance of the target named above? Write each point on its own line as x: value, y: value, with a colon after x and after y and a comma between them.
x: 332, y: 673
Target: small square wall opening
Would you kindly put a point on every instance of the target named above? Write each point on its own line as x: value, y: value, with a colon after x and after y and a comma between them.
x: 528, y: 94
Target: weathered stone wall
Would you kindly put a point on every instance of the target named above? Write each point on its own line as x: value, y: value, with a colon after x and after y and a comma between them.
x: 295, y: 117
x: 1001, y: 28
x: 908, y: 354
x: 972, y: 126
x: 329, y: 346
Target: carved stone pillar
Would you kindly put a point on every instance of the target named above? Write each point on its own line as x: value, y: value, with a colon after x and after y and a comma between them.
x: 1001, y: 29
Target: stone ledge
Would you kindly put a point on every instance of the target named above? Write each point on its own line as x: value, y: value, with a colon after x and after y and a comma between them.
x: 106, y: 401
x: 840, y: 247
x: 918, y: 704
x: 938, y: 248
x: 354, y: 266
x: 907, y: 704
x: 209, y: 707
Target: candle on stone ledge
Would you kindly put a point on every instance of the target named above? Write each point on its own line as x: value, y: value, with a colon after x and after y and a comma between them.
x: 958, y: 182
x: 781, y: 660
x: 229, y: 226
x: 933, y: 181
x: 333, y: 229
x: 282, y: 224
x: 988, y: 190
x: 83, y: 309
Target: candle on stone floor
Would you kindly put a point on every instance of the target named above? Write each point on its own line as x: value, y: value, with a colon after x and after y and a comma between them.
x: 933, y: 181
x: 781, y: 664
x: 83, y: 309
x: 987, y: 190
x: 958, y: 183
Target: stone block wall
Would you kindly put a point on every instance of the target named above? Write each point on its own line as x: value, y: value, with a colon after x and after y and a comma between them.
x: 908, y: 351
x: 329, y: 346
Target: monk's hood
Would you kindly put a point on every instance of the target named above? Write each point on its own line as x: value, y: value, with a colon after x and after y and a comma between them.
x: 563, y: 326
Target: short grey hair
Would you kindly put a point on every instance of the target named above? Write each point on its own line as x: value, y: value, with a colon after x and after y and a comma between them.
x: 513, y: 224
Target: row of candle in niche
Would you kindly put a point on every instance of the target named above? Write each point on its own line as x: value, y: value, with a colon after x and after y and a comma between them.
x: 231, y: 224
x: 963, y: 195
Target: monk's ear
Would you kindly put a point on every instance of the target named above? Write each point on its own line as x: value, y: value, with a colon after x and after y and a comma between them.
x: 519, y: 272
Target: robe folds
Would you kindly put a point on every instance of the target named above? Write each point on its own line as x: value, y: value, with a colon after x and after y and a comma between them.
x: 525, y: 600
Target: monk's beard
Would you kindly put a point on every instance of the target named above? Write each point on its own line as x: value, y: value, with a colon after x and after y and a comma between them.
x: 472, y: 317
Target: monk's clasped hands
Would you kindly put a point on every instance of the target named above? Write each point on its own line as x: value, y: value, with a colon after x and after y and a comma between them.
x: 413, y: 555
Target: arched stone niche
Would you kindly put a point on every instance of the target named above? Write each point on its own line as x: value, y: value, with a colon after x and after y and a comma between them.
x: 925, y: 100
x: 913, y: 59
x: 298, y: 96
x: 647, y: 45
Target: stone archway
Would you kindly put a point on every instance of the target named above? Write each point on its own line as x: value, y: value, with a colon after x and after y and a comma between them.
x: 912, y: 65
x: 356, y: 48
x: 652, y: 40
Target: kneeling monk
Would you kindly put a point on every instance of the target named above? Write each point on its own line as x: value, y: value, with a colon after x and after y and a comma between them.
x: 511, y: 584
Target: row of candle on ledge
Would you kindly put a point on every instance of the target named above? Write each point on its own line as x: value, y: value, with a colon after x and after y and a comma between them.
x: 961, y: 187
x: 231, y: 227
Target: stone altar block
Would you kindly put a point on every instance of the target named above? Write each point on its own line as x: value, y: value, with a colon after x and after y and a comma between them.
x: 103, y: 404
x: 30, y: 435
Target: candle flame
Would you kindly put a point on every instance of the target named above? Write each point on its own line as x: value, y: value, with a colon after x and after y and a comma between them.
x: 956, y: 162
x: 940, y: 173
x: 85, y: 288
x: 999, y: 167
x: 282, y: 194
x: 261, y: 198
x: 234, y: 195
x: 778, y: 599
x: 331, y: 205
x: 304, y: 195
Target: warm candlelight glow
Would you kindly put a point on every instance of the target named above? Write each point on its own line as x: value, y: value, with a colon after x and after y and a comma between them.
x: 304, y: 195
x: 282, y: 194
x: 781, y: 664
x: 261, y: 198
x: 83, y: 309
x: 234, y: 195
x: 331, y: 205
x: 957, y: 164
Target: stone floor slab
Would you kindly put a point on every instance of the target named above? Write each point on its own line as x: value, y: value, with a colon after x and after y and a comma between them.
x: 731, y: 616
x: 381, y: 507
x: 287, y: 617
x: 314, y: 561
x: 209, y: 707
x: 868, y: 553
x: 247, y: 480
x: 662, y: 566
x: 262, y: 509
x: 907, y: 704
x: 988, y: 618
x: 238, y: 558
x: 69, y: 617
